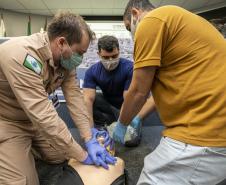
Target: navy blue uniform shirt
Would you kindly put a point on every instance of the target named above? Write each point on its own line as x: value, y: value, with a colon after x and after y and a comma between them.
x: 112, y: 83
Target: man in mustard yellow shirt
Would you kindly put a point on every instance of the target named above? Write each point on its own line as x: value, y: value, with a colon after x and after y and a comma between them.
x: 181, y: 58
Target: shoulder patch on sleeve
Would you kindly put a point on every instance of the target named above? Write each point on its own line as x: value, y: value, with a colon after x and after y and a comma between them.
x: 33, y: 64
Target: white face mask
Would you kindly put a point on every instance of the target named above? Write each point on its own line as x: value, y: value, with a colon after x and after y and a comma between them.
x: 110, y: 65
x: 133, y: 26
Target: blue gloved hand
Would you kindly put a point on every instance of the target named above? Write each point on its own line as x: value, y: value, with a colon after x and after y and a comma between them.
x: 98, y: 154
x: 94, y: 131
x: 104, y: 133
x: 88, y: 161
x: 119, y: 132
x: 134, y: 132
x: 135, y: 123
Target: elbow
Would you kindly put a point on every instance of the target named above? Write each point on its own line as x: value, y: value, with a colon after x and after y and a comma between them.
x: 140, y: 93
x: 89, y: 100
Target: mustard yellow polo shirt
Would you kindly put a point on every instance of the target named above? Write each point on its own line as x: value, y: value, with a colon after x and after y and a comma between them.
x: 189, y: 87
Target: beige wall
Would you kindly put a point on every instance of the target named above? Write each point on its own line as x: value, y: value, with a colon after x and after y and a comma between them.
x: 16, y: 23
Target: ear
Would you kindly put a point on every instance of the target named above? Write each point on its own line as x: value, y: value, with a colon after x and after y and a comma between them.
x: 99, y: 51
x: 135, y: 12
x: 60, y: 42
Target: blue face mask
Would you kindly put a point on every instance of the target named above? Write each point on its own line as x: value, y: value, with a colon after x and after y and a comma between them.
x: 71, y: 63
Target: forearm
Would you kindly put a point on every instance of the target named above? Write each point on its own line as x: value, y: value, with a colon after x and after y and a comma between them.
x: 148, y: 107
x: 89, y: 105
x: 131, y: 107
x: 72, y: 149
x: 43, y: 115
x: 76, y: 106
x: 79, y: 113
x: 137, y: 94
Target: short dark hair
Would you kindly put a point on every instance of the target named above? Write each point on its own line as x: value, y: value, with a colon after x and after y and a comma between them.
x: 70, y: 26
x: 220, y: 24
x: 144, y: 5
x: 108, y: 43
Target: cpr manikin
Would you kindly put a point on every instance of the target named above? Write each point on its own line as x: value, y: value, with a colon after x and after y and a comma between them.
x: 93, y: 175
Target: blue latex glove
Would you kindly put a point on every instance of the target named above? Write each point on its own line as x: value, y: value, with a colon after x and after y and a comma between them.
x: 94, y: 131
x: 88, y: 161
x: 119, y: 132
x: 98, y: 154
x: 110, y: 143
x: 135, y: 123
x: 107, y: 139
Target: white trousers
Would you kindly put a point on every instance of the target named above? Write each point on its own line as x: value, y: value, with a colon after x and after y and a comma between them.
x: 177, y: 163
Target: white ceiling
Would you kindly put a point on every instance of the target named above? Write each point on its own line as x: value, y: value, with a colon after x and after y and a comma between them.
x: 99, y: 7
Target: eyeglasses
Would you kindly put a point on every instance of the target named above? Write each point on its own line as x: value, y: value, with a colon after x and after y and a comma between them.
x: 110, y: 57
